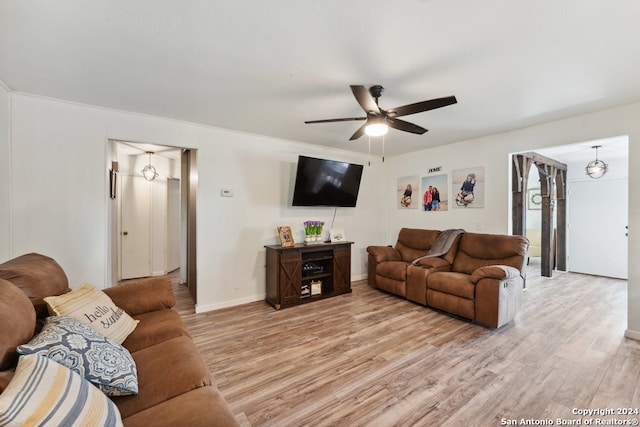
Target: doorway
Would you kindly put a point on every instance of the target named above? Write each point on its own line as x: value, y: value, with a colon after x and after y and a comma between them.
x: 151, y: 219
x: 597, y: 209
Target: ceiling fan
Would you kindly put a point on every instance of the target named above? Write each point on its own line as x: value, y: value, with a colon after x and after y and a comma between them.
x: 379, y: 120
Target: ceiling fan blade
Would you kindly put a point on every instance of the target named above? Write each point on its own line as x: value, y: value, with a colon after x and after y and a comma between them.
x: 365, y: 99
x: 405, y: 126
x: 419, y: 107
x: 358, y: 133
x: 346, y: 119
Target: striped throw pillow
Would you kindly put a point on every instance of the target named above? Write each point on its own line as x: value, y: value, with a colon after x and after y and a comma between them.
x: 45, y: 393
x: 92, y: 306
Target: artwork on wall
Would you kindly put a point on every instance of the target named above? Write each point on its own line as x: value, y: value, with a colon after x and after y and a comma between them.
x: 534, y: 199
x: 408, y: 196
x: 468, y: 185
x: 435, y: 193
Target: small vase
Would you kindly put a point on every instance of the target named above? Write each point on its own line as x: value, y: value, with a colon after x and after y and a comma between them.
x: 318, y: 238
x: 309, y: 238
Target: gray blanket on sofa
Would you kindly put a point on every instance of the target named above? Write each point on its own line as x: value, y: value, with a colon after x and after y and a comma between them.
x: 442, y: 244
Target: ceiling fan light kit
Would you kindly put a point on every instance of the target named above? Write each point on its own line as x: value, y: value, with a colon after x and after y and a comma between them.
x: 378, y: 120
x: 376, y: 127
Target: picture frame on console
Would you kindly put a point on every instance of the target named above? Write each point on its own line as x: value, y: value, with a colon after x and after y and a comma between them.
x: 286, y: 236
x: 337, y: 235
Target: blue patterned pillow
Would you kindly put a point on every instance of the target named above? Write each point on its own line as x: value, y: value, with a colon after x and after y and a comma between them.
x: 86, y: 351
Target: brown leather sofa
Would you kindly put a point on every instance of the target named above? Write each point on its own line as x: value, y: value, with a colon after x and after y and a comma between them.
x: 174, y: 385
x: 480, y: 278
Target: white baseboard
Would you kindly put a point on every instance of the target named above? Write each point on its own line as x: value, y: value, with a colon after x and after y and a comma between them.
x: 230, y: 303
x: 634, y: 335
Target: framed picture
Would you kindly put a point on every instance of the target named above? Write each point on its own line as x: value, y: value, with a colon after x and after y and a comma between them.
x: 534, y: 199
x: 337, y: 235
x: 286, y: 237
x: 468, y: 187
x: 435, y: 193
x: 407, y: 193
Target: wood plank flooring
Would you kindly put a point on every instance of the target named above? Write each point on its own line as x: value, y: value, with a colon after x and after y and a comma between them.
x: 373, y: 359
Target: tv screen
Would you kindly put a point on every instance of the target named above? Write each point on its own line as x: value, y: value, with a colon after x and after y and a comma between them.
x: 321, y: 182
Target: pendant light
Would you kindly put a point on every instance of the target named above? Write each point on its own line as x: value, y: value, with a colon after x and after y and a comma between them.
x: 596, y: 168
x: 149, y: 172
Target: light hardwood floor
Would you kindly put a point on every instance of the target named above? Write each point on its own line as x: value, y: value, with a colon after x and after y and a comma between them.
x: 373, y: 359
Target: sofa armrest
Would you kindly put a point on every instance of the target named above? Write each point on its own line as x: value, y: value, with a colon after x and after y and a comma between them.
x: 384, y: 253
x: 498, y: 272
x: 143, y: 295
x: 498, y: 291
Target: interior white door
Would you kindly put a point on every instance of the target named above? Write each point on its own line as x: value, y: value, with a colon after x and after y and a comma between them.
x: 597, y: 220
x: 135, y: 227
x: 173, y: 224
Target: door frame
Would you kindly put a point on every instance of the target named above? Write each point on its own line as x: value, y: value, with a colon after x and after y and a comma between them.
x: 190, y: 171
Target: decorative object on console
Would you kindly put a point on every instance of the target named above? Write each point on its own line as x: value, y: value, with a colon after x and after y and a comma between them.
x: 337, y: 235
x: 316, y: 287
x: 597, y: 168
x: 286, y: 237
x: 313, y: 232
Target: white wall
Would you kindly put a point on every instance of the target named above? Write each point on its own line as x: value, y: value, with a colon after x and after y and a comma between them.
x: 59, y: 194
x: 5, y: 173
x: 496, y: 216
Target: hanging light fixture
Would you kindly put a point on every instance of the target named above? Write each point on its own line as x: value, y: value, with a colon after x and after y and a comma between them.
x: 596, y: 168
x: 149, y: 172
x: 376, y: 127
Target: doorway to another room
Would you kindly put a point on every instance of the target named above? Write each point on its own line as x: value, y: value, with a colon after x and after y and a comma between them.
x: 153, y: 226
x: 596, y: 209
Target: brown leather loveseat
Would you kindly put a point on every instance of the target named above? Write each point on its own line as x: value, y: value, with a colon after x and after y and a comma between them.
x: 175, y: 388
x: 480, y: 277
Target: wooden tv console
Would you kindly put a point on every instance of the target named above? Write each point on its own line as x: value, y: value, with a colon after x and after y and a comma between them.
x: 305, y: 273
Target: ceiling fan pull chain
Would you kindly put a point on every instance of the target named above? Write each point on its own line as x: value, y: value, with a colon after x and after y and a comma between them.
x: 382, y: 148
x: 369, y: 150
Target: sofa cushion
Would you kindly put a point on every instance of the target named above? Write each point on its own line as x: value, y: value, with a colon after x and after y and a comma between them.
x: 414, y: 243
x: 18, y: 320
x: 43, y: 392
x: 86, y: 351
x: 93, y: 307
x: 139, y: 296
x: 480, y: 250
x: 452, y: 283
x: 202, y: 407
x: 38, y: 276
x: 155, y: 327
x: 396, y: 270
x: 165, y: 370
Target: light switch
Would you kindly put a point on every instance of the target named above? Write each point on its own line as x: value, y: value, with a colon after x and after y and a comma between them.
x: 225, y: 192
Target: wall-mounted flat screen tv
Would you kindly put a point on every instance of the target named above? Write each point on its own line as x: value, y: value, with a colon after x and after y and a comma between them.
x: 321, y: 182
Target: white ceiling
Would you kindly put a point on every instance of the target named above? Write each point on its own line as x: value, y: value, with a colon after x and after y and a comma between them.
x: 265, y: 67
